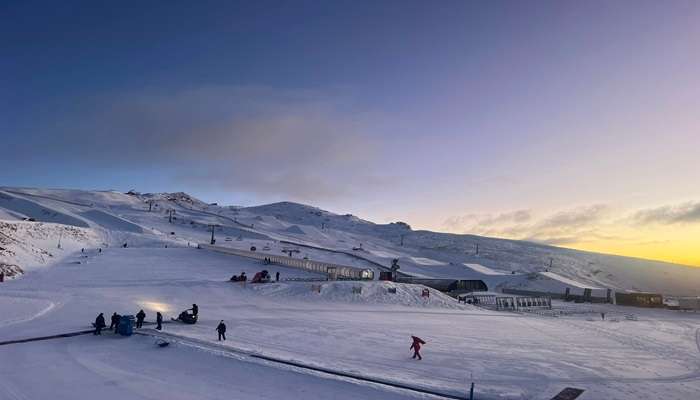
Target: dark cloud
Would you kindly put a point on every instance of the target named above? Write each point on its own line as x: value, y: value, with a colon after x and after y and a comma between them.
x: 295, y: 144
x: 683, y: 213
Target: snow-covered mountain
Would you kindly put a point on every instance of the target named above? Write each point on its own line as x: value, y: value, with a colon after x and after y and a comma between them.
x: 34, y: 221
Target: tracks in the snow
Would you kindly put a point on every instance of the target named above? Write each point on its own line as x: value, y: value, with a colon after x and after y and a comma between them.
x: 226, y: 349
x: 40, y: 338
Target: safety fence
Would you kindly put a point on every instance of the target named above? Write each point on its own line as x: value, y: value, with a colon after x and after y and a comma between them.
x: 587, y: 297
x: 347, y: 253
x: 334, y: 271
x: 506, y: 303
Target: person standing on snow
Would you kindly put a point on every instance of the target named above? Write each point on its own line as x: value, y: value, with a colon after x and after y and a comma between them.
x: 221, y: 329
x: 277, y: 276
x: 99, y: 324
x: 159, y: 320
x: 417, y: 342
x: 140, y: 316
x: 114, y: 322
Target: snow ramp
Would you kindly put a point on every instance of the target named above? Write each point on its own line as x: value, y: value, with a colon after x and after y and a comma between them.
x: 111, y: 222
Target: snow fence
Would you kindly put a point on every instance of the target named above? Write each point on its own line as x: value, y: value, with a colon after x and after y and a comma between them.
x: 334, y: 271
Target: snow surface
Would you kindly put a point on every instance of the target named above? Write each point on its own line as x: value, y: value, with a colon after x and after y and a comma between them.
x: 370, y: 292
x: 511, y: 356
x: 426, y: 261
x: 567, y: 281
x: 484, y: 270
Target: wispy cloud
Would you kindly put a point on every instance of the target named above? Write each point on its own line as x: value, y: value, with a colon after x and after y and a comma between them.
x: 669, y: 214
x: 585, y: 224
x: 459, y: 222
x: 563, y: 227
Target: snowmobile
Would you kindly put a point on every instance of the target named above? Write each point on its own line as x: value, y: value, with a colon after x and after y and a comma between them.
x: 186, y: 317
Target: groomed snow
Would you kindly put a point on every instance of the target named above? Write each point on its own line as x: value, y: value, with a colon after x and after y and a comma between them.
x: 511, y: 356
x: 426, y: 261
x: 567, y: 281
x: 484, y: 270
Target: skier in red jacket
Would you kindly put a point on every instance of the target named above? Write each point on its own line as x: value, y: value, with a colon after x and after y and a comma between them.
x: 417, y: 342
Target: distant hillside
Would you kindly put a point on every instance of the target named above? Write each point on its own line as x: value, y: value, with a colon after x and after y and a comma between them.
x: 32, y: 219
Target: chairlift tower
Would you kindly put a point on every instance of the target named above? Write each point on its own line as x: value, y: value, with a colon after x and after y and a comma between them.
x: 213, y: 226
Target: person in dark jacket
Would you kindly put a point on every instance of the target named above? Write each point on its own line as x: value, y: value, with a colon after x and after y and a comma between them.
x: 221, y: 329
x: 114, y: 322
x: 159, y: 320
x: 277, y: 277
x: 99, y: 324
x: 195, y: 310
x: 140, y: 316
x: 417, y: 342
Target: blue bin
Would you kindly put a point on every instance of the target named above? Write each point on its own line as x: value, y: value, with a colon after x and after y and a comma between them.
x: 126, y: 325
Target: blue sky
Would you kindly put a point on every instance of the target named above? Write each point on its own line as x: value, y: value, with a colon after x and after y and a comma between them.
x: 451, y: 115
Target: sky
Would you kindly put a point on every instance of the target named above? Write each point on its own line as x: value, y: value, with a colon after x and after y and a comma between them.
x: 563, y: 122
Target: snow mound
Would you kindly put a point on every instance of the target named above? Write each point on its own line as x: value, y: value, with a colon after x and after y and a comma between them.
x: 369, y: 293
x: 294, y: 229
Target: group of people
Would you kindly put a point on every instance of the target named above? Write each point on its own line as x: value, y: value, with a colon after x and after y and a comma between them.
x: 239, y: 278
x: 260, y: 277
x: 220, y: 328
x: 116, y: 318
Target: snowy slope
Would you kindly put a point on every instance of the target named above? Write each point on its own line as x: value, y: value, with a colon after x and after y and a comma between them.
x: 114, y: 218
x: 512, y: 356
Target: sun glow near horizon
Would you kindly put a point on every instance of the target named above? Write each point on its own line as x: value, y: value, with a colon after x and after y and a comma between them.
x: 663, y: 233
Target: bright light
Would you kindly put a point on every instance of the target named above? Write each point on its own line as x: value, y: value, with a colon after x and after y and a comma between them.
x: 155, y: 306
